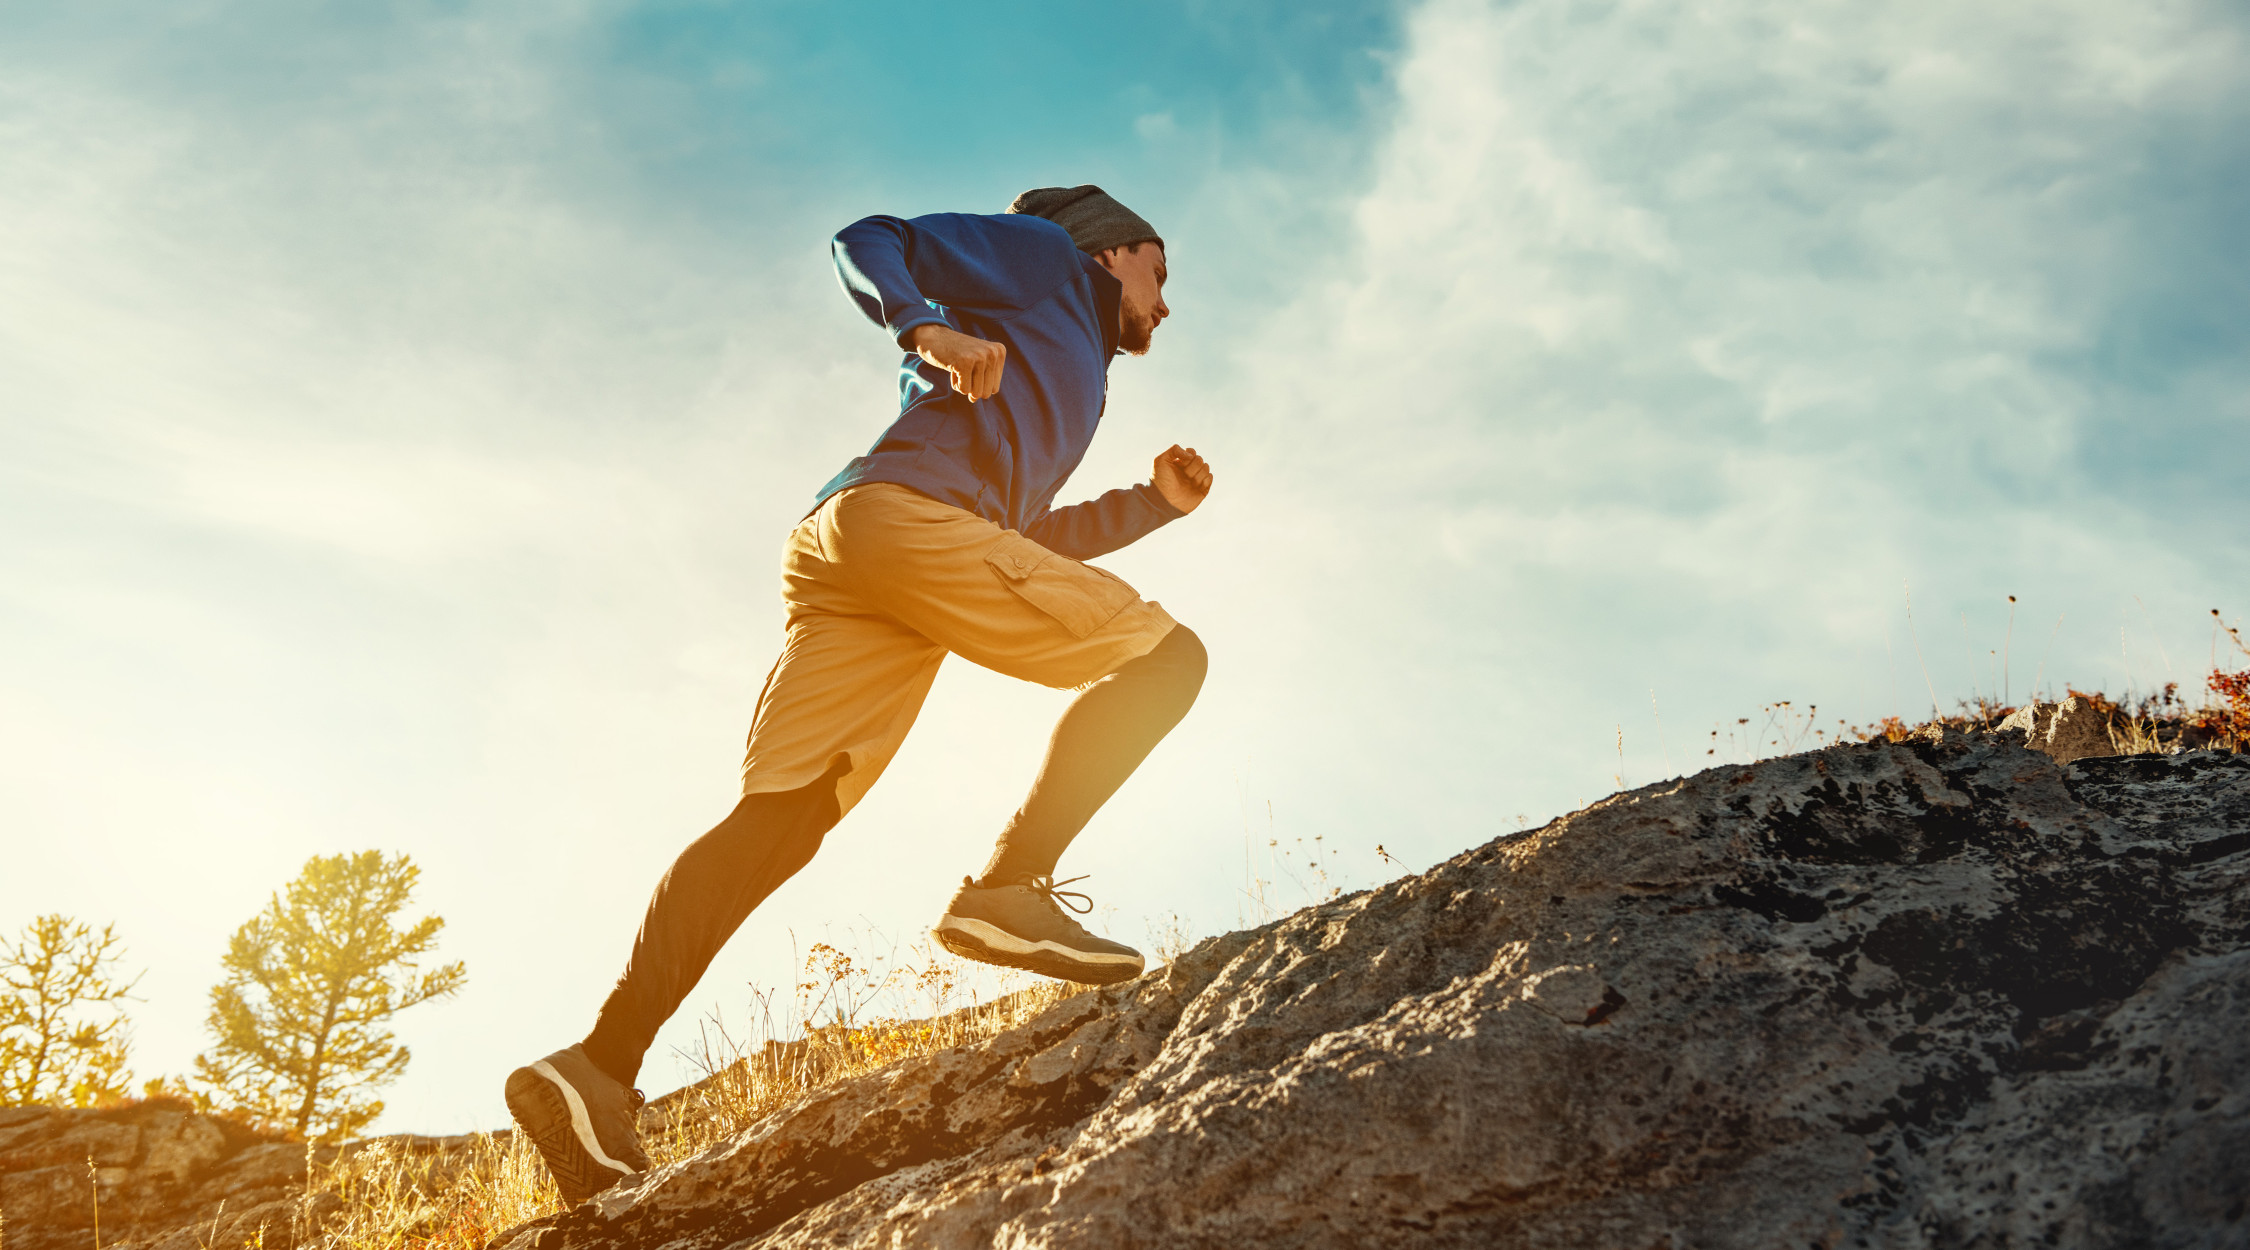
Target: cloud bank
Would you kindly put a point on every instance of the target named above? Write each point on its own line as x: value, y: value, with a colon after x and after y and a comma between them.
x: 1670, y: 345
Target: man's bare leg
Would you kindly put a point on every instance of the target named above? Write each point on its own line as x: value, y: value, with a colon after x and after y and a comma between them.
x: 1102, y: 737
x: 1011, y: 913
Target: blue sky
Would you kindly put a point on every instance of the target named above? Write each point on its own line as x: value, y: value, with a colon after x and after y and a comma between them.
x: 400, y: 411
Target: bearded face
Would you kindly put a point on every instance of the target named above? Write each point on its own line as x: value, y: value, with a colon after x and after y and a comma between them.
x: 1136, y: 329
x: 1141, y: 271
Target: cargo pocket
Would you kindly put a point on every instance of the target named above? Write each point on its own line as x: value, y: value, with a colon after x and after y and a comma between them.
x: 1080, y: 597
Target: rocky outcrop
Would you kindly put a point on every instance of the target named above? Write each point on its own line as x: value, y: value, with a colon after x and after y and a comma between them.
x: 160, y: 1177
x: 1943, y: 992
x: 2076, y: 728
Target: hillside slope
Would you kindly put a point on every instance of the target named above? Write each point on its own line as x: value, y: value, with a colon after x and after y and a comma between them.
x: 1940, y: 992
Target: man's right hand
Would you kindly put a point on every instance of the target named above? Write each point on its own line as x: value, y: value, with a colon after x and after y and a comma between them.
x: 975, y: 364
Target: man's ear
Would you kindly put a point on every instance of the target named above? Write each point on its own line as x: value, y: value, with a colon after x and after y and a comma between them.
x: 1107, y: 257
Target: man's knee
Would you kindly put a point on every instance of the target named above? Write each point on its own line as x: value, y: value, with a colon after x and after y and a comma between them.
x: 1178, y: 661
x: 1193, y: 660
x: 788, y: 825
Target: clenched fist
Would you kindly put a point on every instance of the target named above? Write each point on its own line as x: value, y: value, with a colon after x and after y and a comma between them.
x: 1182, y: 477
x: 974, y: 364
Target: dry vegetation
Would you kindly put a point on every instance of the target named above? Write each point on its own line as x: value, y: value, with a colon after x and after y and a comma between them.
x: 846, y: 1017
x: 2153, y: 724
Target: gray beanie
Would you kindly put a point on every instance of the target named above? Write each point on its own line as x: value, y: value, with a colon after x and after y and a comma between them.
x: 1095, y: 221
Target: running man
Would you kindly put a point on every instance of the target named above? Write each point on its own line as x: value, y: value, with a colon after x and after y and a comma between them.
x: 942, y: 538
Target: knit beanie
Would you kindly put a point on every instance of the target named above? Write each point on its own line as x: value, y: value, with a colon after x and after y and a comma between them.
x: 1095, y: 221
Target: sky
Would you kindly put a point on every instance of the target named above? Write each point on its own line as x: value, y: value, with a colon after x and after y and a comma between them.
x: 401, y: 409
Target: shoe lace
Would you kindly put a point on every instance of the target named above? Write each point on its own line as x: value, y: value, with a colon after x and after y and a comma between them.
x: 1050, y: 889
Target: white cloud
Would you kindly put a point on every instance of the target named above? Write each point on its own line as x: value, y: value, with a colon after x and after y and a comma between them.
x: 1667, y: 347
x: 1806, y: 278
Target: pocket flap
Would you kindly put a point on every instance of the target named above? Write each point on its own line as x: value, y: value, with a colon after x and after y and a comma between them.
x: 1017, y: 557
x: 1080, y: 597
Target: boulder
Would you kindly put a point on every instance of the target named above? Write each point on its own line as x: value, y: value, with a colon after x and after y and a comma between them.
x: 2073, y: 729
x: 157, y: 1169
x: 164, y: 1177
x: 2080, y: 730
x: 1948, y: 991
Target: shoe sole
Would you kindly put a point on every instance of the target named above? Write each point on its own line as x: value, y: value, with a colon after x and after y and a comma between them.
x: 550, y: 1112
x: 989, y: 944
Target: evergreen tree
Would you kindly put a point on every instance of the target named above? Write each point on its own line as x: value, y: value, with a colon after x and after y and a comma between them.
x: 53, y: 979
x: 310, y: 982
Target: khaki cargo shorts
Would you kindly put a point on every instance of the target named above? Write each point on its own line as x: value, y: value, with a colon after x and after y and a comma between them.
x: 881, y: 582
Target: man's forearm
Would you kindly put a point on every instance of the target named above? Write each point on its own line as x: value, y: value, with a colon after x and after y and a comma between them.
x: 1099, y: 526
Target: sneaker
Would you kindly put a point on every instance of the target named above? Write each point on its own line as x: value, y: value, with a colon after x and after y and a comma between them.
x: 1023, y: 926
x: 584, y: 1121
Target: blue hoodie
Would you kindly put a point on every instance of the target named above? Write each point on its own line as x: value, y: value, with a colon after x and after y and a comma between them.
x: 1017, y: 280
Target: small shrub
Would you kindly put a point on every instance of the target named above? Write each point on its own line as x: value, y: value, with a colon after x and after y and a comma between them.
x: 2227, y: 717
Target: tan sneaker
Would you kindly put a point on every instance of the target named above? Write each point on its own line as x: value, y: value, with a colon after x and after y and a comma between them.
x: 1022, y: 925
x: 583, y: 1120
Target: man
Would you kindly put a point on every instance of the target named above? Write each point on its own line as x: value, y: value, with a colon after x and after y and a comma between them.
x: 942, y: 538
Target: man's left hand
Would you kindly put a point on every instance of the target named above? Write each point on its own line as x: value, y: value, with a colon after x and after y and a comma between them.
x: 1182, y: 477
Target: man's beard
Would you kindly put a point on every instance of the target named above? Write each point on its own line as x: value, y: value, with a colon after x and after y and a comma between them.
x: 1135, y: 332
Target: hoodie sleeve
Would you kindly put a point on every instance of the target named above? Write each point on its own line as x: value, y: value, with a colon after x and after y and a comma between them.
x: 994, y: 266
x: 1100, y: 526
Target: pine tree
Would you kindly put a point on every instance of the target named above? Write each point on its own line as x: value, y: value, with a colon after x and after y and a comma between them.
x: 53, y: 979
x: 310, y: 982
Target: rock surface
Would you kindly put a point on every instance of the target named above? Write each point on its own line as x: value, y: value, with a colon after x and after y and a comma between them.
x: 1946, y: 992
x: 2071, y: 730
x: 161, y: 1178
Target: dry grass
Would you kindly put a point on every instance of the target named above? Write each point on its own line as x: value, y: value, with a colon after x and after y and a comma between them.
x: 2156, y: 724
x: 850, y: 1018
x: 847, y: 1017
x: 460, y: 1195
